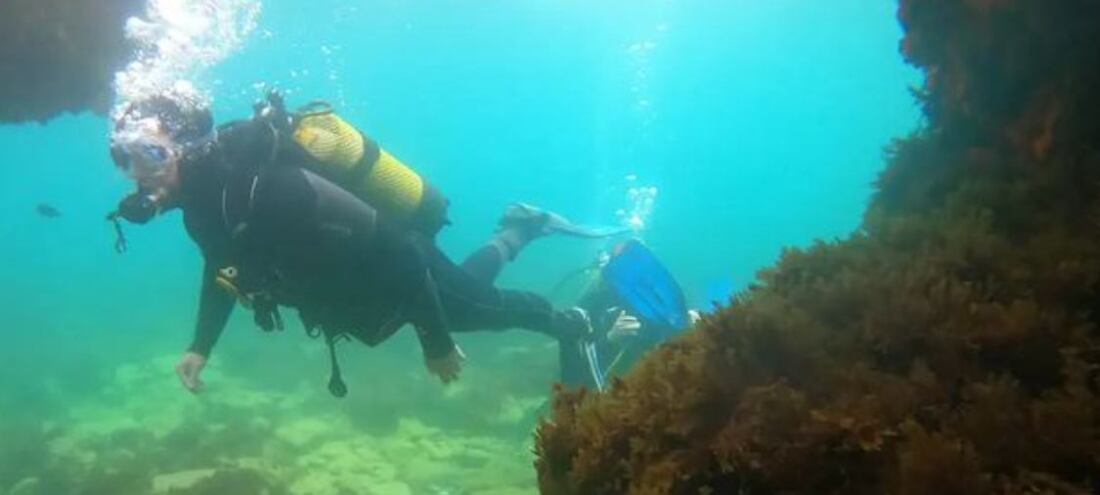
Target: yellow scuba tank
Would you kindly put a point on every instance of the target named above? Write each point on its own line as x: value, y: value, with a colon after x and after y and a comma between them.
x: 361, y: 167
x: 328, y: 138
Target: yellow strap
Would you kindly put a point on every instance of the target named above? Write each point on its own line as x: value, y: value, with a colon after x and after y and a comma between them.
x: 226, y: 279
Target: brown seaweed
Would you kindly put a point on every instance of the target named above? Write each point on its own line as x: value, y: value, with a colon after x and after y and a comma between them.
x: 948, y: 346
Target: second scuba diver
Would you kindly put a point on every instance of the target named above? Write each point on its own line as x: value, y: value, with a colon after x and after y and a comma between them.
x: 635, y: 304
x: 302, y: 210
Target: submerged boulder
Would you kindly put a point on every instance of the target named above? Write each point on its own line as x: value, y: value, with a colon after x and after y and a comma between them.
x: 951, y: 345
x: 60, y: 55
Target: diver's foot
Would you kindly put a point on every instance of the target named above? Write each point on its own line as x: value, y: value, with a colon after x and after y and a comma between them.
x: 522, y: 223
x: 531, y: 222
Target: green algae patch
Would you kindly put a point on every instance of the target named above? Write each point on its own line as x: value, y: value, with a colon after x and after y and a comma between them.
x: 143, y: 434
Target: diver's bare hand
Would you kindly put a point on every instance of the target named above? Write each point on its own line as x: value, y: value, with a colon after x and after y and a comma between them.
x: 189, y: 368
x: 447, y: 367
x: 625, y: 327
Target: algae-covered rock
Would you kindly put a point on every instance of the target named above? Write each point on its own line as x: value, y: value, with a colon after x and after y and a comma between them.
x: 389, y: 488
x: 179, y: 481
x: 342, y: 465
x: 234, y: 481
x: 60, y: 55
x: 303, y: 431
x: 420, y: 471
x: 27, y: 486
x: 949, y: 346
x: 210, y: 481
x: 145, y: 434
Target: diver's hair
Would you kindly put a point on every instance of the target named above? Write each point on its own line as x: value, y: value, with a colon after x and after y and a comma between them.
x: 183, y: 122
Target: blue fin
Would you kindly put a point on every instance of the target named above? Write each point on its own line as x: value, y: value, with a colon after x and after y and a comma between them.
x: 644, y: 285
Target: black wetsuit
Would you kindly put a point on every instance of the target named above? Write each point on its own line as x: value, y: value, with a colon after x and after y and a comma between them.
x: 311, y: 245
x: 604, y: 308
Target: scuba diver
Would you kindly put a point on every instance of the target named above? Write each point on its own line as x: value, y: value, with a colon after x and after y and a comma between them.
x: 302, y: 210
x: 634, y: 304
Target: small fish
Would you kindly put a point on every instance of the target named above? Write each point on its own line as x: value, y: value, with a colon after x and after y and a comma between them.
x: 47, y: 211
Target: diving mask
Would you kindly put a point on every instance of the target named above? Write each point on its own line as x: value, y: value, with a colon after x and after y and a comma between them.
x: 143, y: 158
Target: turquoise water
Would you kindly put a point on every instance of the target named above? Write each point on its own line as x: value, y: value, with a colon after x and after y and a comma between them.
x: 761, y: 124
